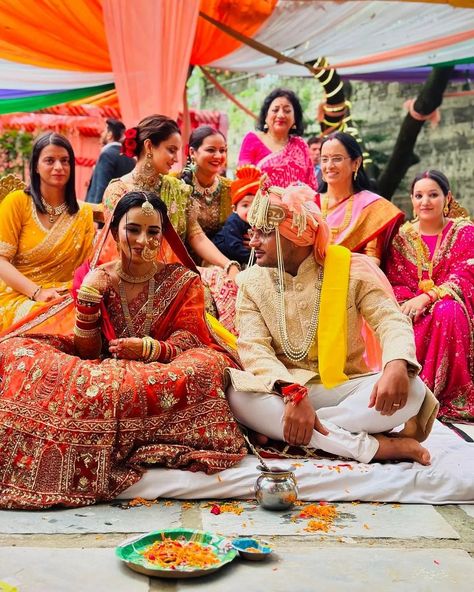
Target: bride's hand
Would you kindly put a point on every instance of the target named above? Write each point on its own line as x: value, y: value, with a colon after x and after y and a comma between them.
x: 128, y: 348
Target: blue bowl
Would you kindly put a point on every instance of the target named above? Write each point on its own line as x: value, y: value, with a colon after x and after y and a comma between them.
x: 252, y: 549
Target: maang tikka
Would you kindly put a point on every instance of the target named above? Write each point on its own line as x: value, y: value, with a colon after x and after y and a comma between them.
x: 147, y: 208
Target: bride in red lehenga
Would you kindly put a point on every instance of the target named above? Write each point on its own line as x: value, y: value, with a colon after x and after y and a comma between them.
x: 141, y: 381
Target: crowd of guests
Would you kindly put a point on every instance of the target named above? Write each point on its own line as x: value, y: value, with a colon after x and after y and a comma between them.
x: 116, y: 342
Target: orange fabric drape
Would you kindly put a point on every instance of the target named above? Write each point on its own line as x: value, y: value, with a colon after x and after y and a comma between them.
x: 245, y: 16
x: 150, y: 45
x: 54, y: 34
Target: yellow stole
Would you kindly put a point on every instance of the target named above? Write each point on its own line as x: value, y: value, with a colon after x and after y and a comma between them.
x: 229, y: 338
x: 332, y: 327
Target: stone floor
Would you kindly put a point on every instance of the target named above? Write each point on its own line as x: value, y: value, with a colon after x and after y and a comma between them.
x: 384, y: 547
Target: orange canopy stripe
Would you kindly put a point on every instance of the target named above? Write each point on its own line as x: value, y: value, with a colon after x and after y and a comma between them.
x: 244, y: 16
x: 61, y: 35
x: 71, y: 35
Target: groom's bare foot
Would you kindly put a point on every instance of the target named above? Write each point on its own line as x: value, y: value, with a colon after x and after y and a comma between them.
x: 400, y: 448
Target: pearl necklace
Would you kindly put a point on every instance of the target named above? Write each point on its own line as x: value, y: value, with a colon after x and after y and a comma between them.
x: 293, y: 353
x: 208, y: 193
x: 336, y: 230
x: 149, y: 309
x: 53, y: 211
x: 132, y: 279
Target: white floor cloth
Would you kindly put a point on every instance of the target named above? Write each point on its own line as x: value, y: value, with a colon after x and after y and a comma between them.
x: 449, y: 479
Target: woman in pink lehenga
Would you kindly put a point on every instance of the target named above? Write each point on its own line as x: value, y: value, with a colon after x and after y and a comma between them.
x: 431, y: 268
x: 276, y: 148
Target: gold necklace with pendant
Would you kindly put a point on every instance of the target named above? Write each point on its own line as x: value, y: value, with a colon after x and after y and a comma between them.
x: 53, y: 212
x: 428, y: 284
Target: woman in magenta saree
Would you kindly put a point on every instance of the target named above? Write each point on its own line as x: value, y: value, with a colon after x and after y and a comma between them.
x: 141, y: 381
x: 431, y: 269
x: 277, y: 148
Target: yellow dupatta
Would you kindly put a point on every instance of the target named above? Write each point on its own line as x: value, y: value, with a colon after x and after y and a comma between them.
x: 332, y: 327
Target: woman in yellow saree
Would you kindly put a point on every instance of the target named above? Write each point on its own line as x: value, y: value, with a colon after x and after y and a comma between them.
x: 44, y: 234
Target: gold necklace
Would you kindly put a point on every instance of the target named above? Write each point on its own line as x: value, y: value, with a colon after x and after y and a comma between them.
x: 336, y: 230
x: 421, y: 260
x: 53, y: 211
x: 208, y: 193
x: 149, y: 309
x: 146, y: 180
x: 132, y: 279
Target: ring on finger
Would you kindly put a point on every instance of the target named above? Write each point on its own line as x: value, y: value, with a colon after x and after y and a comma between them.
x: 395, y: 404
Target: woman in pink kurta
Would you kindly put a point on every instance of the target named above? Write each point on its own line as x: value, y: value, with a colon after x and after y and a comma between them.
x: 431, y: 269
x: 277, y: 148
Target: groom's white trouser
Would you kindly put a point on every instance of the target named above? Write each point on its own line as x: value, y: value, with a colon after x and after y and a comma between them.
x: 343, y: 410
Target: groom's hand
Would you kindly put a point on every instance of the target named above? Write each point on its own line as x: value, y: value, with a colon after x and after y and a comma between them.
x: 299, y: 422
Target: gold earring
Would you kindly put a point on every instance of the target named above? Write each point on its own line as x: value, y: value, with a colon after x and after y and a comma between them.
x: 446, y: 209
x: 265, y: 127
x: 355, y: 174
x: 293, y: 126
x: 148, y: 167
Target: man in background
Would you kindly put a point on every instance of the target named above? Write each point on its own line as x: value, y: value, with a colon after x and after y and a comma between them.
x: 314, y: 144
x: 111, y: 164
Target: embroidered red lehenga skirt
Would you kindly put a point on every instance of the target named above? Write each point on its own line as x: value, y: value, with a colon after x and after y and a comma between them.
x: 74, y: 432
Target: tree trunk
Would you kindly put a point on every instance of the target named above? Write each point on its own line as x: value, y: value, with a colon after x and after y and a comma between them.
x: 403, y: 155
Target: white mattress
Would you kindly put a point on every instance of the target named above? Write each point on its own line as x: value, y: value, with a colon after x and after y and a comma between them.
x: 449, y: 478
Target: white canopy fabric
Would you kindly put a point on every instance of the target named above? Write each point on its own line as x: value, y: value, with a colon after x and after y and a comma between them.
x: 352, y: 31
x: 14, y: 75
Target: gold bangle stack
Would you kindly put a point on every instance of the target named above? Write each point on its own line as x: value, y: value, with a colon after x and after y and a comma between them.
x: 88, y: 294
x: 151, y: 349
x: 86, y: 333
x: 439, y: 291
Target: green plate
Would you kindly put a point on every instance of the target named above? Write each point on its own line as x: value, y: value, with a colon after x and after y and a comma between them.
x: 131, y: 552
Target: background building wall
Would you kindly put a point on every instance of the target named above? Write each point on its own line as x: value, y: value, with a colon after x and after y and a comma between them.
x: 378, y: 110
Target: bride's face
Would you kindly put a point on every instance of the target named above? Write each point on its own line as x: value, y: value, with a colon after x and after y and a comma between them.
x: 138, y: 230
